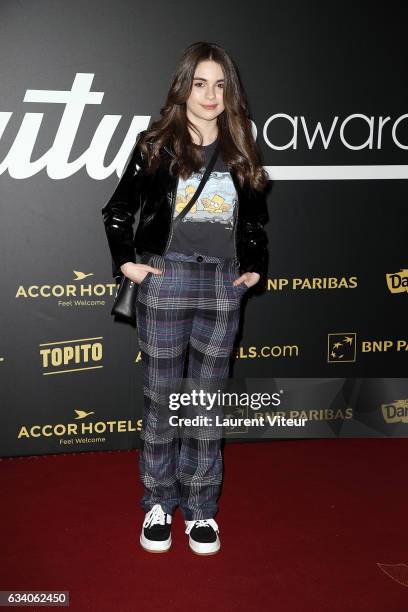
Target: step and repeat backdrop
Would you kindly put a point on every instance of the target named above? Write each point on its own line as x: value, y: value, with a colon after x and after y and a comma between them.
x: 328, y: 100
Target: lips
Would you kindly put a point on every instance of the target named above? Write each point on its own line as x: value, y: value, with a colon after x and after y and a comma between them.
x: 209, y: 106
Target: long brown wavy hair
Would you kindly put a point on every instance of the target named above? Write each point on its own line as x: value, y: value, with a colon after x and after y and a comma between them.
x: 238, y: 148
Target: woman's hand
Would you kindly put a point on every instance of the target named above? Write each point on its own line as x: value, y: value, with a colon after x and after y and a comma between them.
x: 137, y: 272
x: 248, y: 278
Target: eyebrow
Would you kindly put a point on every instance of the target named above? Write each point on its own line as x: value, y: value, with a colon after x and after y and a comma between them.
x: 202, y: 79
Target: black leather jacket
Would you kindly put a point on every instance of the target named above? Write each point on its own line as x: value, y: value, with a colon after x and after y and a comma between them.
x: 155, y: 196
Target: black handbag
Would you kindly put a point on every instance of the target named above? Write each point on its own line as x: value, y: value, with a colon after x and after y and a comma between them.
x: 124, y: 304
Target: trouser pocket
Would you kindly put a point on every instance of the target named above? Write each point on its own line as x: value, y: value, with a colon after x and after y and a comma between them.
x: 236, y: 274
x: 145, y: 259
x: 154, y: 260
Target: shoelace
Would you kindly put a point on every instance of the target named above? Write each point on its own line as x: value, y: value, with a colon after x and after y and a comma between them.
x: 202, y: 523
x: 155, y: 516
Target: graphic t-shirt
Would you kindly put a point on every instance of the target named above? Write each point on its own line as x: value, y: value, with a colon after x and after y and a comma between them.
x: 209, y: 226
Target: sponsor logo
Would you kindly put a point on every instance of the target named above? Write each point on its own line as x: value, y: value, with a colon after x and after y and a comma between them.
x: 315, y: 283
x: 82, y: 430
x: 79, y: 292
x: 395, y: 412
x: 397, y: 282
x: 75, y: 355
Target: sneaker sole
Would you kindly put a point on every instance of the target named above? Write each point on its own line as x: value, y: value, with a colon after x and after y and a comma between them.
x: 155, y: 546
x: 204, y: 548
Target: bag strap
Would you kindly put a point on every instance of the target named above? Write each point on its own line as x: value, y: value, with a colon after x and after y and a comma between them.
x: 200, y: 187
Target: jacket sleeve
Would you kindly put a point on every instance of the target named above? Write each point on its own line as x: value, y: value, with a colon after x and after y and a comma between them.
x: 119, y: 213
x: 254, y: 237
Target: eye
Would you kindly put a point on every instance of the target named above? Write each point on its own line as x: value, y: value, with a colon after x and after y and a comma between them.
x: 199, y: 83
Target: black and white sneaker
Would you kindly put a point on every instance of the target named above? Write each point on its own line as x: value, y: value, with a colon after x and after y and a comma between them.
x: 156, y: 530
x: 203, y: 536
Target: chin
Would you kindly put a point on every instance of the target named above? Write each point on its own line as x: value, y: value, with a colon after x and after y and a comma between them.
x: 209, y: 114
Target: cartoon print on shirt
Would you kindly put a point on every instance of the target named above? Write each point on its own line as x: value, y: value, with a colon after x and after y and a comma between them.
x: 215, y: 203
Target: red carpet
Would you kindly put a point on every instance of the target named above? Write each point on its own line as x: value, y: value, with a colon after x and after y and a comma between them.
x: 305, y: 525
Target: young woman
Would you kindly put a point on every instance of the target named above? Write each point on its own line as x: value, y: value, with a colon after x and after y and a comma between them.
x: 191, y: 276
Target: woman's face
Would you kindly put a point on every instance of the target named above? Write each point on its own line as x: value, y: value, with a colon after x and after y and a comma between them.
x: 206, y: 100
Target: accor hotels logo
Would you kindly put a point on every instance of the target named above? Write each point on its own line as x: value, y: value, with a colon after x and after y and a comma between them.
x: 83, y: 430
x: 79, y: 292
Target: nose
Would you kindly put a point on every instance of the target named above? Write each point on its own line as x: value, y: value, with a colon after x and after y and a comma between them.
x: 210, y: 96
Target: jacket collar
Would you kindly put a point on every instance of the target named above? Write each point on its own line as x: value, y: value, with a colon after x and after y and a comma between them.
x: 170, y: 152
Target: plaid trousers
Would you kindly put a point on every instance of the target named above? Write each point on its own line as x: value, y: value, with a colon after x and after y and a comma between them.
x: 188, y: 315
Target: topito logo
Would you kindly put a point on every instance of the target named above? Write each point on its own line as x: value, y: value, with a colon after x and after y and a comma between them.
x: 71, y: 355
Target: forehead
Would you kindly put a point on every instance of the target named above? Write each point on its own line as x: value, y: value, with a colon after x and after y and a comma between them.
x: 209, y: 70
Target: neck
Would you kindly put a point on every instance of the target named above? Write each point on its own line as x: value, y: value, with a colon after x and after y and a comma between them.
x: 208, y: 130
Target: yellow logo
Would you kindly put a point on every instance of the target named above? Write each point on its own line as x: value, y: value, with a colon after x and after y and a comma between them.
x: 397, y: 282
x: 73, y: 355
x: 395, y: 412
x: 75, y: 293
x: 84, y: 432
x: 341, y: 348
